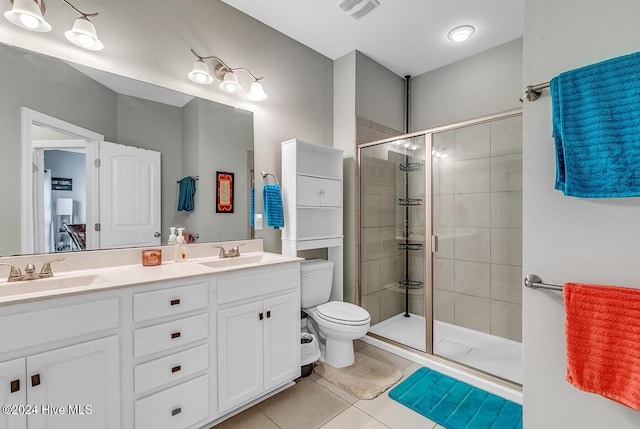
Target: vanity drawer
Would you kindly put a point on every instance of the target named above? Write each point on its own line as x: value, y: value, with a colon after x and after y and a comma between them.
x: 40, y: 327
x: 166, y: 302
x: 259, y: 282
x: 172, y: 368
x: 168, y: 335
x: 181, y: 406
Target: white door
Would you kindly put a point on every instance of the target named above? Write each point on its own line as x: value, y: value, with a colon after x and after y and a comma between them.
x: 129, y: 182
x: 80, y: 384
x: 13, y: 392
x: 281, y: 340
x: 240, y: 339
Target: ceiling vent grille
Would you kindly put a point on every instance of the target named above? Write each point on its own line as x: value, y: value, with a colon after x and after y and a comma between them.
x: 357, y: 8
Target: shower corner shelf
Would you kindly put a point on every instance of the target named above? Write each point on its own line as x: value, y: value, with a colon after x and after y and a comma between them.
x: 411, y: 166
x: 411, y: 284
x: 410, y: 201
x: 410, y: 246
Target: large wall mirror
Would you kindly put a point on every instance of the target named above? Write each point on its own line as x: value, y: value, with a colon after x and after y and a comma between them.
x: 57, y: 118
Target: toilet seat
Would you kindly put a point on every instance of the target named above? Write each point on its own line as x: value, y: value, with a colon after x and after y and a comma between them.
x: 343, y: 313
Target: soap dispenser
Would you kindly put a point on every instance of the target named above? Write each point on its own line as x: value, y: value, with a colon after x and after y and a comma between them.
x: 172, y: 236
x: 180, y: 252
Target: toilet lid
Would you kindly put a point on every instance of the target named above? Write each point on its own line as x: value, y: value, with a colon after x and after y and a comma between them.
x: 343, y: 313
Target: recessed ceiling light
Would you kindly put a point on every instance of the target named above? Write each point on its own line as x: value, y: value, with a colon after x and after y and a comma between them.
x: 462, y: 33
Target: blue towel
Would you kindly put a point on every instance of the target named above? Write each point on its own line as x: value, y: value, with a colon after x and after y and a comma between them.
x: 596, y: 129
x: 187, y: 191
x: 272, y: 198
x: 252, y: 206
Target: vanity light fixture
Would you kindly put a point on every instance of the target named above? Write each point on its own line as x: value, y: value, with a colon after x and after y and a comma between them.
x: 226, y: 75
x: 29, y: 14
x: 462, y: 33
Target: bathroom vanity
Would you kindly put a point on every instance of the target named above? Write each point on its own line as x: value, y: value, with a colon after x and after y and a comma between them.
x: 179, y: 345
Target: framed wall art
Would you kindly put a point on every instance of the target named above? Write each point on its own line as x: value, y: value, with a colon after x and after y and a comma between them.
x: 224, y: 192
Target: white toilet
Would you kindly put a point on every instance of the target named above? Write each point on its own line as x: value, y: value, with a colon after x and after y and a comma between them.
x: 335, y: 323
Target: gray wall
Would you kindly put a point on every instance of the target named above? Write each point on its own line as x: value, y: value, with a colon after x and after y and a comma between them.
x: 299, y: 81
x: 486, y: 83
x: 569, y: 239
x: 379, y: 93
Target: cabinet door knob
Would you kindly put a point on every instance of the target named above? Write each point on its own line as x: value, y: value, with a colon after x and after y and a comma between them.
x: 35, y: 380
x: 176, y: 368
x: 15, y: 385
x: 268, y: 314
x: 175, y: 335
x: 176, y: 411
x: 261, y: 316
x: 175, y: 302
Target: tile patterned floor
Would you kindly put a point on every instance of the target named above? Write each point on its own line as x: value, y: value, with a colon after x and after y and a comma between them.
x: 315, y: 403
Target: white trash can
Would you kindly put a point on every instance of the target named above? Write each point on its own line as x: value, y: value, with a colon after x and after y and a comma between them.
x: 309, y: 353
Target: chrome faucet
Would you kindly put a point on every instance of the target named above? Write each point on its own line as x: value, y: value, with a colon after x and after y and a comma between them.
x: 30, y: 271
x: 233, y: 252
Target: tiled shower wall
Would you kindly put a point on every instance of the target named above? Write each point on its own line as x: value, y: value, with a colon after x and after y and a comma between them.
x: 477, y: 215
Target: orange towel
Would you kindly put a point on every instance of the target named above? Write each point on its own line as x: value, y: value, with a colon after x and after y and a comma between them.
x: 603, y: 341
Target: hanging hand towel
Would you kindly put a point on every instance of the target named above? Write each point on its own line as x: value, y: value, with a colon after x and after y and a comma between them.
x: 596, y: 128
x: 252, y: 206
x: 187, y: 192
x: 272, y: 199
x: 603, y: 341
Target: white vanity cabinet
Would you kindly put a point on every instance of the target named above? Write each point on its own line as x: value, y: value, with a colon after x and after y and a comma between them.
x: 171, y: 351
x: 52, y: 386
x: 258, y: 332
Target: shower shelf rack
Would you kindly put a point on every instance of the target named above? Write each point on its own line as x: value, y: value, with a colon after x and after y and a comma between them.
x: 407, y: 246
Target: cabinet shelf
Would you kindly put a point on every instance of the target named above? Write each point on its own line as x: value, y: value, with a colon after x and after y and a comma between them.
x: 410, y: 246
x: 411, y: 284
x: 410, y: 201
x: 411, y: 166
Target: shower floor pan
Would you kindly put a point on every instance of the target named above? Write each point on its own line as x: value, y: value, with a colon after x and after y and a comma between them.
x: 489, y: 353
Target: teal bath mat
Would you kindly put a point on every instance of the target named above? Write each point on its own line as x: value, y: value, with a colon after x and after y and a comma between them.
x: 454, y: 404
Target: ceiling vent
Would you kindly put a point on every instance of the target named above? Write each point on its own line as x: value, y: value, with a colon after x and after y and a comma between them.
x: 357, y: 8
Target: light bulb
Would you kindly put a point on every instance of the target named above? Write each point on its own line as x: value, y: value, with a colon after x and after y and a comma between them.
x: 462, y: 33
x: 28, y: 21
x: 85, y: 40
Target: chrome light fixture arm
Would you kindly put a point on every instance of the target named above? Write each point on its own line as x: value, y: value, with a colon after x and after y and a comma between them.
x: 84, y: 15
x: 222, y: 67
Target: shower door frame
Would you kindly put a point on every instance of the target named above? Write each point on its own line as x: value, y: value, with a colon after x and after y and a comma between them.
x: 429, y: 255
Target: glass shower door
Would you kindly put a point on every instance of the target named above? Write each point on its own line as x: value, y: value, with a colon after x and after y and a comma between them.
x: 393, y: 238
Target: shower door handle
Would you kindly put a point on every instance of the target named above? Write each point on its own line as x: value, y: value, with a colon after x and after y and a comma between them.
x: 434, y: 243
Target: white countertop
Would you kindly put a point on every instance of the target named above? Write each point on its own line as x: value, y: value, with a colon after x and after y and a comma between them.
x: 100, y: 279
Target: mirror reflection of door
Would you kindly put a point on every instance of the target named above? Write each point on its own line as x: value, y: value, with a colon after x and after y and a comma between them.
x: 71, y: 202
x: 60, y: 192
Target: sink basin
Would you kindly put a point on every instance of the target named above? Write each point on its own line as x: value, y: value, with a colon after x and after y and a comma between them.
x: 242, y: 260
x: 60, y: 281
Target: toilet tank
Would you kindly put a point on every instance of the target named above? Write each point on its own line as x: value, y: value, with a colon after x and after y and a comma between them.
x: 315, y: 282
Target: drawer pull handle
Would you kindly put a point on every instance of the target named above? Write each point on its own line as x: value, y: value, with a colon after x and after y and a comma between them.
x: 175, y: 335
x: 176, y: 368
x: 268, y: 314
x: 35, y: 380
x: 175, y: 302
x: 15, y: 386
x: 176, y: 411
x: 261, y: 316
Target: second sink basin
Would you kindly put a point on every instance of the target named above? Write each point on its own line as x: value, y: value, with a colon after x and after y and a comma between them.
x: 242, y: 260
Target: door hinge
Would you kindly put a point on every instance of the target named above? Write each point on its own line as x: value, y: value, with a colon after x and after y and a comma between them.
x: 34, y: 168
x: 434, y: 243
x: 96, y: 227
x: 96, y: 162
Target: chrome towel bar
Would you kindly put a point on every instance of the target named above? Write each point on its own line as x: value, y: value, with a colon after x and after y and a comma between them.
x: 533, y: 92
x: 534, y: 281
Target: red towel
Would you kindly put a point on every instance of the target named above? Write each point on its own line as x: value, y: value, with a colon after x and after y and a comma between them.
x: 603, y: 341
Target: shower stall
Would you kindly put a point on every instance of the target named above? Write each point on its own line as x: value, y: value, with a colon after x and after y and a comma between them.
x: 441, y: 242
